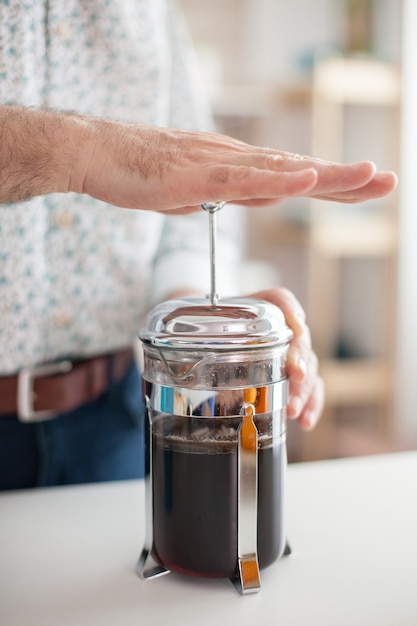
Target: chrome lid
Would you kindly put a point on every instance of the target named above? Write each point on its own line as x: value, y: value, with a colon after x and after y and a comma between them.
x: 237, y: 323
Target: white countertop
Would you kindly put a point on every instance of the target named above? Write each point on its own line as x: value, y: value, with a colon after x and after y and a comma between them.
x: 68, y: 556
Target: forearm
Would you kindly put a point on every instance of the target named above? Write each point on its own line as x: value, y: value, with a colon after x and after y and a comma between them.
x: 40, y: 151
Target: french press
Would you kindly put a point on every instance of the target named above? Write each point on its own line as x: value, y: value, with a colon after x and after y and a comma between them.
x: 215, y: 390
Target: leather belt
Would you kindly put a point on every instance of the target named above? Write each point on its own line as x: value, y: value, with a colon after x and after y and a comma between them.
x: 45, y: 391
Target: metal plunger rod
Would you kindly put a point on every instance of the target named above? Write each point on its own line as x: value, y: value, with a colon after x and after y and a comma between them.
x: 213, y: 231
x: 212, y: 208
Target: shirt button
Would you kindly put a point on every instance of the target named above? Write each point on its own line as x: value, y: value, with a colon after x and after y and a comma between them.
x: 64, y: 219
x: 63, y: 319
x: 64, y: 31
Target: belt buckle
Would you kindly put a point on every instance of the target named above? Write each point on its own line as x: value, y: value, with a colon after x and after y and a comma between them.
x: 26, y: 392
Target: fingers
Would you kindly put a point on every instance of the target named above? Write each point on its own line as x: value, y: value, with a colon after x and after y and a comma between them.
x: 306, y: 390
x: 381, y: 184
x: 288, y: 176
x: 332, y: 177
x: 302, y: 182
x: 290, y: 306
x: 313, y: 406
x: 335, y: 178
x: 239, y: 183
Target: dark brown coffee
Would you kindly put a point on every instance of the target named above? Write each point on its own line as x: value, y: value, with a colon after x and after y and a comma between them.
x: 195, y: 506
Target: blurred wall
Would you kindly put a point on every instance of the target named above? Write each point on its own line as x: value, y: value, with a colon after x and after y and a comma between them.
x: 406, y: 401
x: 264, y: 43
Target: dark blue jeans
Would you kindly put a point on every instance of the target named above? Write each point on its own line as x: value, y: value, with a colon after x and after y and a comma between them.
x: 101, y: 441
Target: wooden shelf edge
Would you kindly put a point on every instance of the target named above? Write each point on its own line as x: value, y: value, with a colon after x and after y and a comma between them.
x: 258, y: 100
x: 356, y: 381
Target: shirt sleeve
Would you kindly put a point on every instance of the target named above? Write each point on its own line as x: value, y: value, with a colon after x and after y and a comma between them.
x: 183, y: 260
x: 190, y: 106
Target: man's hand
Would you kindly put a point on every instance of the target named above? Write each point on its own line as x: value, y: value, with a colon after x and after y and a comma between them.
x: 306, y: 392
x: 170, y: 170
x: 160, y: 169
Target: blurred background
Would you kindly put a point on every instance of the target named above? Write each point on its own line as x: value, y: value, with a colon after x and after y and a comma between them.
x: 335, y: 79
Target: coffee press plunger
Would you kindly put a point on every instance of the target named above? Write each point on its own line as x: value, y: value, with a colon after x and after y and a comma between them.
x: 215, y: 389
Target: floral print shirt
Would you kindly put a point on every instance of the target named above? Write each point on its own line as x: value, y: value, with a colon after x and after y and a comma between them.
x: 77, y: 275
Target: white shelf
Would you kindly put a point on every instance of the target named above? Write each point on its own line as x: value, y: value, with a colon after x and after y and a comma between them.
x: 355, y: 236
x: 358, y: 81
